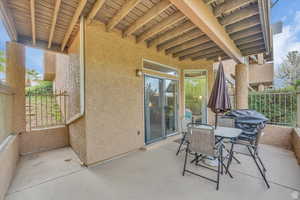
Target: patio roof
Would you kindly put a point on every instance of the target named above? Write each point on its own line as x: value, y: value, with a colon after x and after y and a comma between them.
x: 186, y: 29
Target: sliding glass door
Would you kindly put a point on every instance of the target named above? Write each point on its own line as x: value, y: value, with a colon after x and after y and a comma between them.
x: 161, y: 108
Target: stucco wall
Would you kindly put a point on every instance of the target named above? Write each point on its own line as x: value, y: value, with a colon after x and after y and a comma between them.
x: 44, y: 140
x: 296, y: 143
x: 9, y: 156
x: 6, y: 99
x: 49, y: 66
x: 257, y: 73
x: 67, y: 79
x: 114, y: 94
x: 279, y: 136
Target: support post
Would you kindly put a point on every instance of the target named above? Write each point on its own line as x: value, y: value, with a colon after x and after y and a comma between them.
x: 15, y: 76
x: 241, y: 85
x: 261, y: 87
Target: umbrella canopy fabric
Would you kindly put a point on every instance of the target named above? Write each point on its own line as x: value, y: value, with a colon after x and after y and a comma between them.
x: 219, y: 101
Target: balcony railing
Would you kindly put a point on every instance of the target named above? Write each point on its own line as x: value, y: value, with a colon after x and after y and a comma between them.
x: 45, y: 108
x: 279, y: 106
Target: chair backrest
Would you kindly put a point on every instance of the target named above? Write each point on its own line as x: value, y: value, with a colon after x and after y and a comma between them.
x: 202, y: 139
x: 226, y: 122
x: 184, y: 124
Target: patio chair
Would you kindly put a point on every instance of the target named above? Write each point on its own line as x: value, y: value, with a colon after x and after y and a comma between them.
x: 250, y: 139
x: 202, y: 142
x: 184, y: 129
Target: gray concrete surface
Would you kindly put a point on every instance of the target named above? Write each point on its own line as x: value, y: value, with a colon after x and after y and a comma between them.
x: 151, y: 174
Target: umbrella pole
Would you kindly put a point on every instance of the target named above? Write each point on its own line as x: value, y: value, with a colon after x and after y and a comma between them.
x: 216, y: 120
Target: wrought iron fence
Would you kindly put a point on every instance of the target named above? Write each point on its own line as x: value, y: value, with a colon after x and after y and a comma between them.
x: 45, y: 108
x: 279, y: 106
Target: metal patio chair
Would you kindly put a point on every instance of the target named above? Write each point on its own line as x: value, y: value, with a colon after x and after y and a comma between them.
x: 202, y: 142
x: 184, y: 130
x: 250, y: 139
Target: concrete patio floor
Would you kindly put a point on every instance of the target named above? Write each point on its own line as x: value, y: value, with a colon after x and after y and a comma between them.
x: 151, y: 174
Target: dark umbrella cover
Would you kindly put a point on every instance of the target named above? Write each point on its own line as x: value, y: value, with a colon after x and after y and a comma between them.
x: 219, y: 101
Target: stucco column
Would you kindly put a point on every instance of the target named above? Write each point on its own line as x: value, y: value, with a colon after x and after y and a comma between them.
x: 261, y: 87
x: 241, y: 85
x: 15, y: 77
x: 298, y: 107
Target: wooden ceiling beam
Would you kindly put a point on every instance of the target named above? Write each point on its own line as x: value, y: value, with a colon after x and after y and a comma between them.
x: 246, y: 33
x: 240, y: 15
x: 74, y: 20
x: 180, y: 30
x: 254, y: 50
x: 230, y: 6
x: 244, y: 24
x: 151, y: 14
x: 190, y: 52
x: 249, y: 39
x: 161, y: 26
x: 123, y: 12
x: 180, y: 40
x: 32, y: 15
x: 216, y: 58
x: 96, y: 7
x: 53, y: 24
x: 251, y: 44
x: 204, y: 52
x: 217, y: 53
x: 8, y: 21
x: 200, y: 14
x: 189, y: 44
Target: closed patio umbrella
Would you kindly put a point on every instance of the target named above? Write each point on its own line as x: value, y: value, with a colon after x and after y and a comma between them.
x: 219, y: 101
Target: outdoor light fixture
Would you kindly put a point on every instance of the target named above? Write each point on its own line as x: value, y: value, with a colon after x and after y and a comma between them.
x: 139, y: 73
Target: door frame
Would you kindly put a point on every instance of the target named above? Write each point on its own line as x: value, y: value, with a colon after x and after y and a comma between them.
x: 164, y: 135
x: 183, y: 88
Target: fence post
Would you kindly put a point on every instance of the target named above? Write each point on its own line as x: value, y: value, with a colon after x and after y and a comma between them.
x: 298, y: 107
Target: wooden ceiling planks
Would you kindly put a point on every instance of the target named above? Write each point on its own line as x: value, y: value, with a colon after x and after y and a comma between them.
x: 239, y: 17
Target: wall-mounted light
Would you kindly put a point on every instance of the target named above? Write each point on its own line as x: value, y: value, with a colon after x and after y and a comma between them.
x: 139, y: 73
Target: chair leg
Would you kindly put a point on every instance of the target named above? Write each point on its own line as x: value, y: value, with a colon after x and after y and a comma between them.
x: 257, y: 165
x: 219, y: 171
x: 180, y: 145
x: 230, y: 158
x: 262, y: 164
x: 185, y: 159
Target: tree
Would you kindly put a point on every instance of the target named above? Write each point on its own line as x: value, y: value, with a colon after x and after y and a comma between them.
x: 289, y: 70
x: 32, y: 74
x: 2, y: 61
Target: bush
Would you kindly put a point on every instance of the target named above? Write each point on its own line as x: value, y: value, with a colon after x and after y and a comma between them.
x: 43, y: 87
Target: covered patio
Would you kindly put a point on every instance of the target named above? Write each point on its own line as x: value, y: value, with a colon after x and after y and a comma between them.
x: 151, y: 174
x: 122, y: 66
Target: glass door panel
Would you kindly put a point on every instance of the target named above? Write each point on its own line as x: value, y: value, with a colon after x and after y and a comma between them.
x: 195, y: 90
x: 153, y: 109
x: 171, y: 106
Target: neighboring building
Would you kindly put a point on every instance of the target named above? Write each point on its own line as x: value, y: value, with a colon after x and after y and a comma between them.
x: 261, y: 75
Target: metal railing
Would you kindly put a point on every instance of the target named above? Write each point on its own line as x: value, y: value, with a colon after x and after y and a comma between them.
x: 45, y: 108
x: 279, y: 106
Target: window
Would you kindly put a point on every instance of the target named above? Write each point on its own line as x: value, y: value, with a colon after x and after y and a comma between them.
x: 150, y: 65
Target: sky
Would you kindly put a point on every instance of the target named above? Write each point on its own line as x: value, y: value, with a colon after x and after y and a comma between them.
x: 287, y: 11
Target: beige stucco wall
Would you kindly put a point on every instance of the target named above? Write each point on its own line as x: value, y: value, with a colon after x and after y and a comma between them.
x: 9, y: 156
x: 44, y: 140
x: 67, y: 79
x: 279, y: 136
x: 114, y: 94
x: 296, y: 143
x: 49, y: 65
x: 6, y: 100
x: 257, y: 73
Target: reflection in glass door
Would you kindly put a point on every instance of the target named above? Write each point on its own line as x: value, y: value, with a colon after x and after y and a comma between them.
x: 161, y: 108
x: 171, y: 106
x: 153, y: 108
x: 195, y: 95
